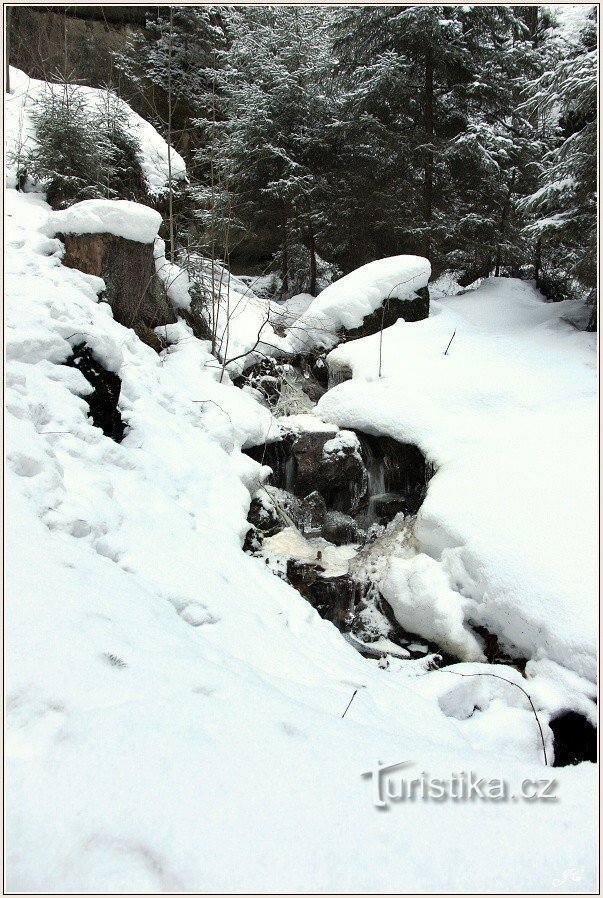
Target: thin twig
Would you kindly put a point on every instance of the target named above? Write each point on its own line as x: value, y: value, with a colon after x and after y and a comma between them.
x: 349, y: 703
x: 457, y: 673
x: 451, y: 339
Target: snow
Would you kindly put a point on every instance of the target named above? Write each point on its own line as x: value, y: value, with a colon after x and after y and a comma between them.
x: 341, y: 444
x: 176, y: 710
x: 153, y: 150
x: 347, y: 301
x: 242, y: 322
x: 122, y: 218
x: 570, y: 19
x: 508, y: 417
x: 307, y: 424
x: 175, y: 279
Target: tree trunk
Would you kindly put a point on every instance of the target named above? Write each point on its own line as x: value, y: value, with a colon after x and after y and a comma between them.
x: 428, y: 158
x: 7, y: 49
x: 503, y: 221
x: 537, y: 262
x: 531, y: 20
x: 312, y: 249
x: 285, y: 251
x: 169, y: 141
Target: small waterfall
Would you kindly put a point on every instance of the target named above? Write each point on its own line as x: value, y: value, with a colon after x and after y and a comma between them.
x: 376, y: 479
x: 338, y: 374
x: 398, y: 474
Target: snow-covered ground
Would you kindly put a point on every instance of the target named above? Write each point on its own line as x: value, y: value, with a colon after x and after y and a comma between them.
x: 508, y: 417
x: 174, y: 711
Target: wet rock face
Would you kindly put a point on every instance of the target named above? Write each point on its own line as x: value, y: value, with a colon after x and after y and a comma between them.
x: 313, y: 510
x: 387, y: 505
x: 133, y: 290
x: 102, y: 402
x: 277, y: 456
x: 333, y: 598
x: 398, y: 474
x: 340, y: 529
x: 327, y: 462
x: 331, y: 465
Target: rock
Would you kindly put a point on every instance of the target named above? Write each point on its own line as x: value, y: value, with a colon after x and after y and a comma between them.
x: 263, y: 517
x: 253, y: 540
x: 333, y: 598
x: 340, y: 529
x: 331, y: 464
x: 415, y: 308
x: 273, y: 509
x: 148, y: 336
x: 313, y: 511
x: 132, y: 288
x: 387, y: 505
x: 323, y: 460
x: 302, y: 574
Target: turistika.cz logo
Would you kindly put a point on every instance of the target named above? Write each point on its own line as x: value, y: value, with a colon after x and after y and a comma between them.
x: 390, y: 785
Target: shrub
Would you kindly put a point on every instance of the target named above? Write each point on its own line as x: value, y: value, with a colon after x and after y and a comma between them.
x: 82, y: 151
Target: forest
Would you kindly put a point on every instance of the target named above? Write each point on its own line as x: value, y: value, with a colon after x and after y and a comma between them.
x: 466, y: 134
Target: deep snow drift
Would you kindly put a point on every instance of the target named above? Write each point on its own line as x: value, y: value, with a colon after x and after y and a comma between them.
x: 176, y: 709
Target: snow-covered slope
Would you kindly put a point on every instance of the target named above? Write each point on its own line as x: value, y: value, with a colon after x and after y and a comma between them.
x: 174, y: 712
x: 508, y: 416
x: 26, y: 91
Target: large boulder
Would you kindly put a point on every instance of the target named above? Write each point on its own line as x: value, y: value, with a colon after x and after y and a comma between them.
x: 413, y: 308
x: 330, y: 463
x: 133, y: 291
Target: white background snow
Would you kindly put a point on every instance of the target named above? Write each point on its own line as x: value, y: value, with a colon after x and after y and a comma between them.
x: 174, y: 711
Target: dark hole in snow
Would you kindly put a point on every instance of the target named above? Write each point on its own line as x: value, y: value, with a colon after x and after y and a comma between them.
x: 102, y: 402
x: 575, y: 739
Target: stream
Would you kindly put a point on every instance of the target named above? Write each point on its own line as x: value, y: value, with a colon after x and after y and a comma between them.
x: 339, y: 505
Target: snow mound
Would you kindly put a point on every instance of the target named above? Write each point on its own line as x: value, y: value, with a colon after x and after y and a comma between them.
x: 347, y: 301
x: 122, y: 218
x: 508, y: 417
x: 20, y: 133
